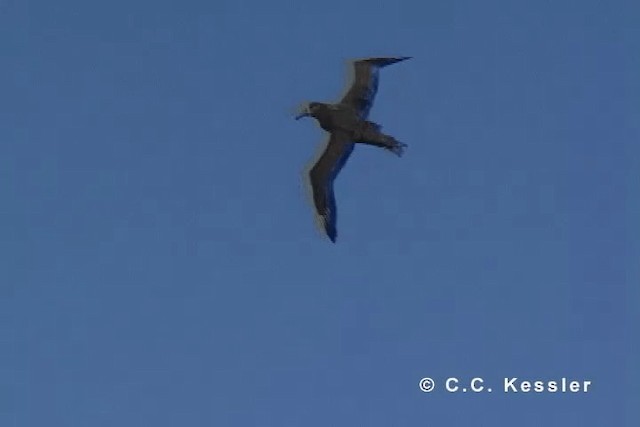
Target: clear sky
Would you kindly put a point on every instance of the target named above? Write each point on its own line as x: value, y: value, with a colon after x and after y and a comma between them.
x: 160, y: 263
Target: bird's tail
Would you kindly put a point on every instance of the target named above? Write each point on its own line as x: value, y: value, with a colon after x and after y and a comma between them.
x: 373, y: 126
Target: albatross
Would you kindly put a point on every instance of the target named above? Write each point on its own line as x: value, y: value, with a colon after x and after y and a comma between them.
x: 347, y: 124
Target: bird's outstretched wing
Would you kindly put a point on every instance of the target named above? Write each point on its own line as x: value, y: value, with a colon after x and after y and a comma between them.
x: 322, y: 175
x: 365, y: 83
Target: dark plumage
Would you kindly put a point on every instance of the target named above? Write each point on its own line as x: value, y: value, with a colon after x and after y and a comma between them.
x: 347, y: 123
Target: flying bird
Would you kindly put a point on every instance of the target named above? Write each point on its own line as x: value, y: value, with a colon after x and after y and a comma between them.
x: 347, y: 124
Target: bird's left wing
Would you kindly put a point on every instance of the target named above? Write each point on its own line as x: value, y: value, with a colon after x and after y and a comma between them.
x: 322, y: 175
x: 363, y: 89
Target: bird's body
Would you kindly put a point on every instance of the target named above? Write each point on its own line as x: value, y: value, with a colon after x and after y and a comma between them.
x: 343, y: 118
x: 347, y: 123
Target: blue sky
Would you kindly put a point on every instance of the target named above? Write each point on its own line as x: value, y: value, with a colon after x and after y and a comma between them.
x: 160, y: 262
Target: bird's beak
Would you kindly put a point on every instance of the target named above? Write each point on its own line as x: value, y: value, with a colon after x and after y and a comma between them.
x: 303, y: 113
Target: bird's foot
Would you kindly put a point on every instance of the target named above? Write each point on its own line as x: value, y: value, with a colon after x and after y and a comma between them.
x: 398, y: 148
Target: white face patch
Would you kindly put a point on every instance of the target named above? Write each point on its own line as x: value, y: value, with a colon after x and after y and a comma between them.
x: 303, y: 110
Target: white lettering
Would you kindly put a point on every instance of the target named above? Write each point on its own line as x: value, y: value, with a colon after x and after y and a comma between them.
x: 562, y: 385
x: 509, y: 385
x: 453, y: 388
x: 477, y: 388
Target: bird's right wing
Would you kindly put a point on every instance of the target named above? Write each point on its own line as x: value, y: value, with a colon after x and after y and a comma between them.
x: 322, y: 175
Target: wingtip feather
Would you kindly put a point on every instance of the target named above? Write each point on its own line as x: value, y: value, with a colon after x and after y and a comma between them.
x: 383, y: 62
x: 331, y: 231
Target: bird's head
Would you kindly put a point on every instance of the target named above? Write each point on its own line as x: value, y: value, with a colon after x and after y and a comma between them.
x: 309, y: 110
